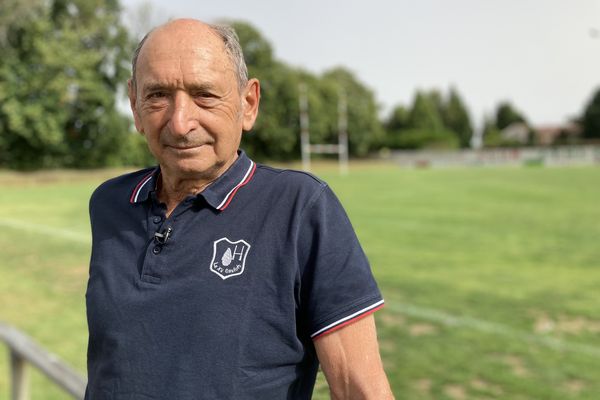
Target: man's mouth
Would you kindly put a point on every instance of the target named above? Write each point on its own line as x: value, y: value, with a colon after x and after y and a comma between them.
x: 187, y: 146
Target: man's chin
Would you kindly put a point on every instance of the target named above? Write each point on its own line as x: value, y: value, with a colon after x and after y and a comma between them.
x: 191, y: 151
x: 194, y: 168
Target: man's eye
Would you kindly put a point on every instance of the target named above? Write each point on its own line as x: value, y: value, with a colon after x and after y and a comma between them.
x: 204, y: 95
x: 157, y: 95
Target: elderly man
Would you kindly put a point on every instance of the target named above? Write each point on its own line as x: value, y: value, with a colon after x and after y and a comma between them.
x: 212, y: 277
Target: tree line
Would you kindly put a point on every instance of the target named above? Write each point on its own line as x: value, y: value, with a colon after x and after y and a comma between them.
x: 65, y: 63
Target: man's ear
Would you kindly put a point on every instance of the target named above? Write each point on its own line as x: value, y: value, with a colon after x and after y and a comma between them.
x: 131, y: 91
x: 250, y: 102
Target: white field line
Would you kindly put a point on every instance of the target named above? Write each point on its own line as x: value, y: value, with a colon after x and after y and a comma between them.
x: 46, y: 230
x: 430, y: 314
x: 493, y: 328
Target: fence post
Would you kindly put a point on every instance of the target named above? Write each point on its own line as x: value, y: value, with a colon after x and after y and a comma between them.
x: 19, y: 376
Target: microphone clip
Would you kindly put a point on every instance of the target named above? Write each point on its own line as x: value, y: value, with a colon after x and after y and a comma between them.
x: 162, y: 237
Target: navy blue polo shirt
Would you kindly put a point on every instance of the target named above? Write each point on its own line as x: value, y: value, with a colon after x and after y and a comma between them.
x: 223, y: 299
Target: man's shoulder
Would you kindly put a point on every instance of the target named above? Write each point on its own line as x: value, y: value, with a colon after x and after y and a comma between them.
x: 291, y: 177
x: 289, y: 181
x: 120, y: 187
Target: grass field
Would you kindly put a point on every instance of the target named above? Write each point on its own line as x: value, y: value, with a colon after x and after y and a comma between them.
x: 491, y: 276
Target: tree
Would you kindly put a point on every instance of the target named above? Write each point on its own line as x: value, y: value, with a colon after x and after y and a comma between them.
x: 422, y: 126
x: 258, y: 52
x: 275, y: 133
x: 63, y: 62
x: 491, y: 134
x: 591, y: 117
x: 456, y: 118
x: 394, y: 125
x: 436, y: 98
x: 506, y: 114
x: 16, y: 12
x: 364, y: 127
x: 424, y: 113
x: 398, y: 118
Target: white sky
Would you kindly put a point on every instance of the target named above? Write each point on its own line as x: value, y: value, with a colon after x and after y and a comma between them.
x: 539, y: 54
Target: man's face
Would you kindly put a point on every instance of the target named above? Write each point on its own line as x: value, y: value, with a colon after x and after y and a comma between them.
x: 187, y: 102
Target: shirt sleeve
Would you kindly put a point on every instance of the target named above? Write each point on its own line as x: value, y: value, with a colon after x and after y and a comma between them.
x: 337, y: 286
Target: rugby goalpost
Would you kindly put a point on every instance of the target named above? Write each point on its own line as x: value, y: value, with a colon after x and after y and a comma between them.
x: 341, y: 148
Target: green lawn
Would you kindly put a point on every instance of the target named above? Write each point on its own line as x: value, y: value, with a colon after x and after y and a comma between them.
x: 490, y: 275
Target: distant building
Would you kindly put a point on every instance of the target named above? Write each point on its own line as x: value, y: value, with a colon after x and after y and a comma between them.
x: 543, y: 135
x: 517, y: 132
x: 547, y: 135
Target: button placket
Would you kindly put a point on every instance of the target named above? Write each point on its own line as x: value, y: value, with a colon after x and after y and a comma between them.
x: 150, y: 271
x: 156, y: 259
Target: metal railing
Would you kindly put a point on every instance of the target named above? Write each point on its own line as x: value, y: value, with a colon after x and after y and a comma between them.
x: 24, y: 350
x: 547, y: 156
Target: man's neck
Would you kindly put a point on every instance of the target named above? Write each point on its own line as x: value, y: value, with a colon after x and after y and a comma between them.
x: 173, y: 190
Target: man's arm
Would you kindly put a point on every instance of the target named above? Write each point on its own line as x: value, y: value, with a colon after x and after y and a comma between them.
x: 351, y: 362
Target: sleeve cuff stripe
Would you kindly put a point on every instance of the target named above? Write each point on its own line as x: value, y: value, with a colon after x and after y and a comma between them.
x: 348, y: 319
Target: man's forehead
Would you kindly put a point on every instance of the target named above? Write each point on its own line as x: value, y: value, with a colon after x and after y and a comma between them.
x: 191, y: 67
x: 184, y: 34
x: 163, y: 56
x: 184, y: 44
x: 161, y: 46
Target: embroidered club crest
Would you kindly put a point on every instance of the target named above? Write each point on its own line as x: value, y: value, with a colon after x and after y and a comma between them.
x: 229, y: 258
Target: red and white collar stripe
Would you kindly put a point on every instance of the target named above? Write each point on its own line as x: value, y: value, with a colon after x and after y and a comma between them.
x: 140, y: 186
x: 245, y: 180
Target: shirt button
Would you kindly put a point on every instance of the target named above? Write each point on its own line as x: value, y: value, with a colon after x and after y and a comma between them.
x: 156, y: 249
x: 157, y: 220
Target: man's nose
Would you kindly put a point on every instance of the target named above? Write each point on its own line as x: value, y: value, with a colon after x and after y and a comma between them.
x: 183, y: 117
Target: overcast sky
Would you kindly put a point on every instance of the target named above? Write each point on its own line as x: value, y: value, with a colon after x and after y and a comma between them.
x: 542, y: 55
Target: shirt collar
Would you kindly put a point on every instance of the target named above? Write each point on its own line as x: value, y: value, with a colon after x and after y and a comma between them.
x: 218, y: 194
x: 144, y: 186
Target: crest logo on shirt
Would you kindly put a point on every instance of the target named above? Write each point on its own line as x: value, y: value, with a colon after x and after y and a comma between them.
x: 229, y: 258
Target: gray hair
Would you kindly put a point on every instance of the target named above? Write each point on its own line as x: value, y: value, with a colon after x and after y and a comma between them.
x: 232, y: 48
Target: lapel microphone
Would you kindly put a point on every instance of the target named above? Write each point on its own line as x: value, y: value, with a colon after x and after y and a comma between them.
x: 162, y: 237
